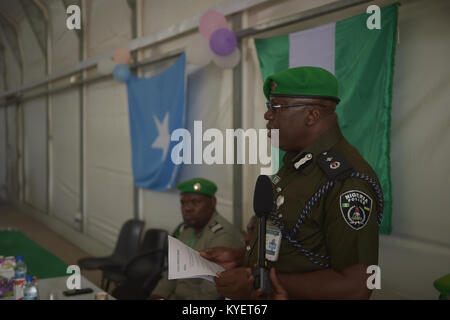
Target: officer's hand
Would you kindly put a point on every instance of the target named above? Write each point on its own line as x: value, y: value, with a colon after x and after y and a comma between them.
x: 278, y: 292
x: 236, y: 284
x: 226, y: 257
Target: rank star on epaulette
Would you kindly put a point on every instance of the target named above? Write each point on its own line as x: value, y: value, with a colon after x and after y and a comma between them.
x: 355, y: 208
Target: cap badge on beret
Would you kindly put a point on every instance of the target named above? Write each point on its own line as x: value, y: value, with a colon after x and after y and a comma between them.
x: 273, y: 85
x: 197, y: 186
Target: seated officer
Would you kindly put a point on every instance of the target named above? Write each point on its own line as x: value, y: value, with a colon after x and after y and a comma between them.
x: 202, y: 228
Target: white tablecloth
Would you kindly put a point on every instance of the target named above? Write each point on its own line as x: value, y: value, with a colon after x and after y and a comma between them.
x: 56, y: 286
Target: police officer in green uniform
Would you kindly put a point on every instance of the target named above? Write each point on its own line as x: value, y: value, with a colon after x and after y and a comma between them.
x: 323, y: 231
x: 202, y: 228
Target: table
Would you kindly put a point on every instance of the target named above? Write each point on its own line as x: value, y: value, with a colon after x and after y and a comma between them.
x: 58, y: 284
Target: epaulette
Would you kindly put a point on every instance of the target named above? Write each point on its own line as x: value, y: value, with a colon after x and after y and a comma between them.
x: 334, y: 165
x: 178, y: 230
x: 215, y: 226
x: 302, y: 160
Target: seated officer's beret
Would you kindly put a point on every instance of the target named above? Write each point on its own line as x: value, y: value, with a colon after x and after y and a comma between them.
x: 198, y: 185
x: 308, y: 82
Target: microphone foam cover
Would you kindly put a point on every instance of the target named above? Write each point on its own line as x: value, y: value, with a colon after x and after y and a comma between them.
x: 263, y: 196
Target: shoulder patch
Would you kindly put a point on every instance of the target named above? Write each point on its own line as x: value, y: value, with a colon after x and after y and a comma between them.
x: 356, y: 207
x: 334, y: 165
x: 215, y: 227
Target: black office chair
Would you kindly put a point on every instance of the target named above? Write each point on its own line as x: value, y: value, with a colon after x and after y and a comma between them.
x: 141, y: 274
x: 127, y: 246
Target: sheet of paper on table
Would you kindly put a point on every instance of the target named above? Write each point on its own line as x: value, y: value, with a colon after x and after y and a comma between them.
x: 185, y: 262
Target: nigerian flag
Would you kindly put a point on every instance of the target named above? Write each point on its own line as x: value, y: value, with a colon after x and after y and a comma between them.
x: 362, y: 59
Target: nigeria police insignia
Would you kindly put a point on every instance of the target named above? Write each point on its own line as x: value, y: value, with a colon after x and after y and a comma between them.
x: 355, y: 208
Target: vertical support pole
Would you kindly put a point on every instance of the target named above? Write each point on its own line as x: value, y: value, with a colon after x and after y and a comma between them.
x: 5, y: 87
x: 21, y: 152
x: 237, y: 123
x: 6, y: 151
x: 137, y: 26
x: 48, y: 61
x: 83, y: 120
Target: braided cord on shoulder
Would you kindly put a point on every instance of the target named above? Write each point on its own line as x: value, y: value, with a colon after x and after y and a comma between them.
x: 290, y: 235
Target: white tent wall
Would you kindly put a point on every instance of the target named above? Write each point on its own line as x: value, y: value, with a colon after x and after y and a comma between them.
x: 13, y: 80
x: 109, y: 194
x: 35, y: 158
x: 66, y: 156
x: 3, y: 128
x: 109, y: 25
x: 65, y: 42
x: 3, y: 136
x: 12, y: 70
x: 35, y: 122
x: 65, y: 127
x: 419, y: 247
x: 160, y: 15
x: 12, y: 181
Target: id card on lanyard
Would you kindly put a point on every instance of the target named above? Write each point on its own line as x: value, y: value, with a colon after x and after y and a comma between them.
x: 273, y: 241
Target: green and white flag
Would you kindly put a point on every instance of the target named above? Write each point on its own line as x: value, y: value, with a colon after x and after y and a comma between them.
x: 362, y: 60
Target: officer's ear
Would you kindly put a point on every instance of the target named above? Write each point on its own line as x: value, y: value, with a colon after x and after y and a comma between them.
x: 213, y: 202
x: 312, y: 116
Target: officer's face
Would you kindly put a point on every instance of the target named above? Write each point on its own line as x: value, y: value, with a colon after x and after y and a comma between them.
x: 295, y: 124
x: 197, y: 209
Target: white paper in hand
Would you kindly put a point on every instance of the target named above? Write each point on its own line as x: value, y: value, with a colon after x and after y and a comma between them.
x: 184, y: 262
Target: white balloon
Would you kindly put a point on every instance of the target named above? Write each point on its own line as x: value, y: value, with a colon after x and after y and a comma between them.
x: 230, y: 61
x: 105, y: 66
x: 198, y: 51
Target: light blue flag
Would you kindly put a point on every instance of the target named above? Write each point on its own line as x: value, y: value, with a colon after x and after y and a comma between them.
x: 157, y: 107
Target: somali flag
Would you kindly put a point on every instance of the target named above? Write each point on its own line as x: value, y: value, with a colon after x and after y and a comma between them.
x: 156, y: 108
x: 362, y: 60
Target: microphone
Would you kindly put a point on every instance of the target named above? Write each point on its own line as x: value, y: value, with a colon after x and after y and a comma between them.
x: 262, y: 205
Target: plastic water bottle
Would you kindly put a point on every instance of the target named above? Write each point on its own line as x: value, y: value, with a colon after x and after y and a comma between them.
x: 30, y: 292
x: 20, y: 270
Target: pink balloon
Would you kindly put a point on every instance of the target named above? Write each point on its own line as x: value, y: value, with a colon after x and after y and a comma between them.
x: 210, y: 22
x: 122, y: 56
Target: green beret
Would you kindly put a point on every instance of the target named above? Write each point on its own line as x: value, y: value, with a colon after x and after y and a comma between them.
x: 303, y: 81
x: 198, y: 185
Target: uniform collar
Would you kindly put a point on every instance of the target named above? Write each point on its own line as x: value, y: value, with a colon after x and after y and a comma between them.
x: 327, y: 140
x: 212, y: 221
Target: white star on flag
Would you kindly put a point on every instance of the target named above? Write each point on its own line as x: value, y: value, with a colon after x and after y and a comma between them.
x: 162, y: 141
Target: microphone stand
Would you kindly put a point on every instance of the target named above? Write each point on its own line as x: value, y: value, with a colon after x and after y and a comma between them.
x: 261, y: 273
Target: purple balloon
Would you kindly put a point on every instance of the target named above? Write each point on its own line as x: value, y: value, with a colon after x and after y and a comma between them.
x: 222, y: 42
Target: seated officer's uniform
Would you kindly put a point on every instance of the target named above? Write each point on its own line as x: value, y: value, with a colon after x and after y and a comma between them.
x: 217, y: 233
x: 328, y: 201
